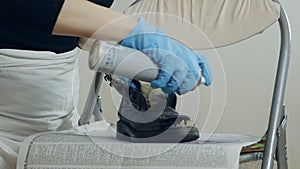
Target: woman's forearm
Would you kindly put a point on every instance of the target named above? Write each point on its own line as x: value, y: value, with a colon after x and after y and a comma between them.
x: 84, y: 19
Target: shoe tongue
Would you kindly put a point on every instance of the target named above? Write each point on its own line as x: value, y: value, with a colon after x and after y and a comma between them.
x: 135, y: 85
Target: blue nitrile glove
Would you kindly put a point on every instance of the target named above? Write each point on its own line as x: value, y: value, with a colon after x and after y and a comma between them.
x: 179, y: 65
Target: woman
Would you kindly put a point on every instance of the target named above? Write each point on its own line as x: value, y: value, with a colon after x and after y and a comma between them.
x: 38, y: 55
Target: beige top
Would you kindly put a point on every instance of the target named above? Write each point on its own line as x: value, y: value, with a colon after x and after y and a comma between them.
x: 202, y: 24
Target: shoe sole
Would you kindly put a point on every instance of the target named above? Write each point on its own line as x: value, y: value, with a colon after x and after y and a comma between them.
x: 170, y: 135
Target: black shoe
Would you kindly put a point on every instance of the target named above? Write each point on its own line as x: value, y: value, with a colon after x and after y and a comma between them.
x: 139, y: 124
x: 170, y: 127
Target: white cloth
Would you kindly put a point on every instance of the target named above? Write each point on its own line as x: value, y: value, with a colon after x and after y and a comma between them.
x: 38, y: 91
x: 205, y: 24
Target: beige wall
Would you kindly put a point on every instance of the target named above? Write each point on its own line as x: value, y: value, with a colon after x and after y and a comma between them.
x: 250, y: 69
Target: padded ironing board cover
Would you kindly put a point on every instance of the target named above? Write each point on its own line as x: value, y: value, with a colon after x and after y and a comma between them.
x: 223, y: 22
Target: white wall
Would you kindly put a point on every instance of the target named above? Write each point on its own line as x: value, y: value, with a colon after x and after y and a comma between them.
x: 250, y: 71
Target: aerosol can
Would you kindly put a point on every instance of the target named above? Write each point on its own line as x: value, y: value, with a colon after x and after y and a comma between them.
x: 114, y: 59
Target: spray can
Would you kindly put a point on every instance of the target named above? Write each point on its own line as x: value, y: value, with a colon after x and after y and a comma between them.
x: 114, y: 59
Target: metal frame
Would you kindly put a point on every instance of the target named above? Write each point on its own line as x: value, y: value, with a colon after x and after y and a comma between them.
x: 276, y: 140
x: 276, y: 148
x: 93, y: 104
